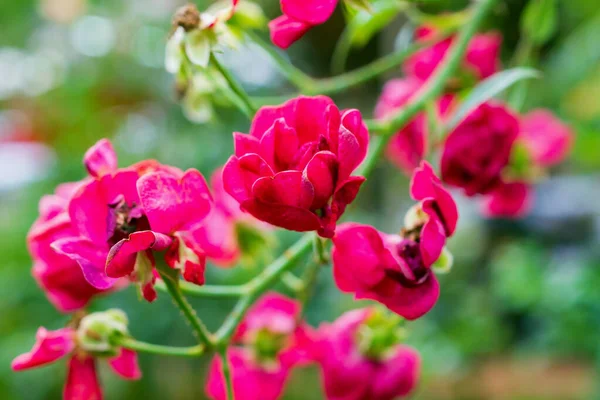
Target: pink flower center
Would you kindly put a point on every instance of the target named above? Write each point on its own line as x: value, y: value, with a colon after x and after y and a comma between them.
x: 124, y: 219
x: 410, y: 252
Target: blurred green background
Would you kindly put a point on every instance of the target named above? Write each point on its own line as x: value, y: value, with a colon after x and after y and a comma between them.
x: 519, y: 315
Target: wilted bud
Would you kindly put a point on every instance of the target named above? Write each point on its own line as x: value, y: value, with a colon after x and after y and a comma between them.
x: 100, y: 332
x: 187, y: 17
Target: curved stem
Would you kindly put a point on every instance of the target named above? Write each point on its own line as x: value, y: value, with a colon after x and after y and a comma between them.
x: 171, y: 283
x: 434, y: 85
x: 235, y: 86
x: 225, y: 367
x: 312, y: 86
x: 143, y: 347
x: 261, y: 283
x: 208, y: 291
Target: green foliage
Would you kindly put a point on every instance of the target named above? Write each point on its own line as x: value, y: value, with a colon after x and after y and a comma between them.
x: 540, y: 20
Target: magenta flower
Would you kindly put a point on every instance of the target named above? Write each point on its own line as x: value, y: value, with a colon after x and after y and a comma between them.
x: 299, y: 16
x: 268, y: 343
x: 121, y: 214
x: 82, y: 380
x: 60, y: 277
x: 409, y: 146
x: 351, y: 372
x: 479, y: 148
x: 293, y: 169
x: 547, y: 141
x: 395, y: 269
x: 482, y: 57
x: 546, y: 137
x: 218, y: 235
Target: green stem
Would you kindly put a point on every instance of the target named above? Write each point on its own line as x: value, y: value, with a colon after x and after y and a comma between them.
x: 143, y: 347
x: 208, y: 291
x: 314, y: 86
x: 292, y: 282
x: 171, y: 283
x: 261, y: 284
x: 235, y: 86
x: 435, y: 84
x: 226, y: 373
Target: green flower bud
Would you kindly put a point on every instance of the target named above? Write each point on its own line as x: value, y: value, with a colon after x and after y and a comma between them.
x: 100, y: 332
x: 443, y: 265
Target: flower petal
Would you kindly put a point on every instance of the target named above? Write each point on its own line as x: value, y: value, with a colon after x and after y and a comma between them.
x: 126, y: 364
x: 100, y: 159
x: 313, y: 12
x: 288, y: 188
x: 321, y: 172
x: 82, y: 380
x: 284, y: 216
x: 122, y: 256
x: 49, y: 347
x: 286, y: 31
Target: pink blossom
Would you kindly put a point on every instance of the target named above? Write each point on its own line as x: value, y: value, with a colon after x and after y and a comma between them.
x: 350, y: 374
x: 59, y: 276
x: 299, y: 16
x: 479, y: 148
x: 82, y: 380
x: 267, y: 344
x: 409, y: 146
x: 481, y: 58
x: 508, y: 200
x: 546, y: 137
x: 293, y: 169
x: 121, y: 215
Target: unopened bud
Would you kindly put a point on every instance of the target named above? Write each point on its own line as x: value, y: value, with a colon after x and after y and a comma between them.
x: 99, y: 332
x: 443, y: 264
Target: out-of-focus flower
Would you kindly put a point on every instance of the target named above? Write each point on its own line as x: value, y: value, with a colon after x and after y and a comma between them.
x: 268, y: 343
x: 59, y: 276
x: 396, y: 269
x: 228, y: 233
x: 477, y: 151
x: 361, y: 358
x: 543, y: 141
x: 408, y: 147
x: 481, y: 59
x: 293, y: 169
x: 82, y: 379
x: 299, y: 16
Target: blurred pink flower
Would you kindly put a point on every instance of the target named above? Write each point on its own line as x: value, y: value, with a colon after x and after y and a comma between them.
x: 546, y: 137
x: 350, y: 374
x: 82, y: 380
x: 299, y: 16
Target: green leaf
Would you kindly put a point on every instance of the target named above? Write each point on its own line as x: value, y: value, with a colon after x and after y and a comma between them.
x: 487, y: 89
x: 539, y: 20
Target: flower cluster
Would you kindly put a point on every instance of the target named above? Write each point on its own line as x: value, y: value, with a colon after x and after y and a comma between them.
x: 492, y: 152
x: 362, y: 344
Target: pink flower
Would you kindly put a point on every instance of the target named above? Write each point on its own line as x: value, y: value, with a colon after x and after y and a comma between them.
x: 82, y: 380
x: 299, y: 16
x: 409, y: 146
x: 268, y: 343
x: 508, y: 200
x: 218, y: 235
x: 395, y: 269
x: 60, y: 277
x: 121, y: 215
x: 481, y: 58
x: 546, y: 137
x: 293, y: 169
x: 479, y: 148
x: 350, y: 373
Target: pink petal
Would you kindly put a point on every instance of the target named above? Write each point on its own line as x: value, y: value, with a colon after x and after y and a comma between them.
x: 88, y: 210
x: 509, y: 200
x: 49, y: 347
x: 350, y: 154
x: 286, y: 31
x: 265, y: 118
x: 483, y: 54
x: 279, y: 145
x: 90, y: 258
x: 122, y: 256
x: 284, y: 216
x: 287, y: 188
x: 433, y: 240
x: 173, y: 204
x: 100, y: 159
x: 313, y: 12
x: 274, y: 312
x: 82, y: 380
x: 422, y: 182
x: 244, y: 144
x: 352, y: 120
x: 546, y: 137
x: 398, y: 375
x: 310, y: 118
x: 126, y: 364
x: 321, y: 172
x: 240, y: 174
x: 217, y: 237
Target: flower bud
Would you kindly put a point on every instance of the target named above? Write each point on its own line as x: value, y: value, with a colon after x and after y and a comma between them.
x: 415, y: 218
x: 99, y: 332
x: 379, y: 334
x: 443, y: 265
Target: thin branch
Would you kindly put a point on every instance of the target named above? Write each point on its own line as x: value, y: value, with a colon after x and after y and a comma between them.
x: 143, y: 347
